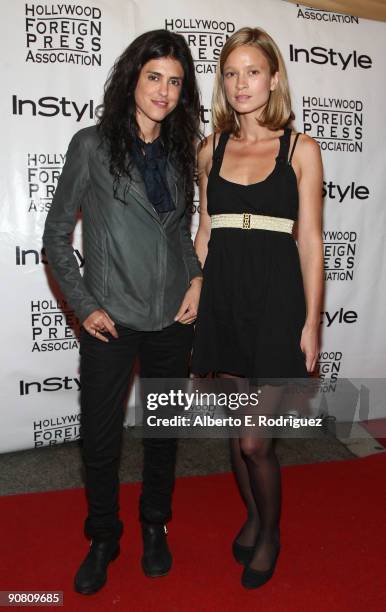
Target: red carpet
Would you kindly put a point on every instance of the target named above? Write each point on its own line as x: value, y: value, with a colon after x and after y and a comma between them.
x: 377, y: 428
x: 333, y: 545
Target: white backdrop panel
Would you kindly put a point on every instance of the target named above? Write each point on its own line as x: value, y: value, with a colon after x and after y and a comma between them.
x: 55, y: 58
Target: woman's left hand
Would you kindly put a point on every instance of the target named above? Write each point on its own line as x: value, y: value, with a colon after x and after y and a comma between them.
x: 189, y: 306
x: 309, y: 344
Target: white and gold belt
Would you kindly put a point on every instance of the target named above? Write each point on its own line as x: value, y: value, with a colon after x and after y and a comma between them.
x: 247, y: 221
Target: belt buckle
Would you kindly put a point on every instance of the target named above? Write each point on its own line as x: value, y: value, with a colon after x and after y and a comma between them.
x: 246, y: 221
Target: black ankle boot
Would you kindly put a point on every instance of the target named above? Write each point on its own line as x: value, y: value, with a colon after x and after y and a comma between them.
x: 157, y: 559
x: 92, y: 573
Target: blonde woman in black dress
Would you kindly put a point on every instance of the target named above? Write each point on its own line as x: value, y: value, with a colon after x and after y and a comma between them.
x: 261, y: 297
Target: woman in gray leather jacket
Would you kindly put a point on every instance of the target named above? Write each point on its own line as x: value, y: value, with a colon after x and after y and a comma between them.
x: 132, y: 178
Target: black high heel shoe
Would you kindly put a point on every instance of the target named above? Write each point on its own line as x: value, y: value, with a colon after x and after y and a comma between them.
x: 242, y: 554
x: 253, y: 579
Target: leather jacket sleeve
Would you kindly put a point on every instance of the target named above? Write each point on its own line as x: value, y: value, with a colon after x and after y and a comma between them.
x: 192, y: 261
x: 60, y: 224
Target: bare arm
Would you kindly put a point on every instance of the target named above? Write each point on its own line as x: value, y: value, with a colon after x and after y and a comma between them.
x: 204, y: 228
x: 309, y: 169
x: 188, y: 309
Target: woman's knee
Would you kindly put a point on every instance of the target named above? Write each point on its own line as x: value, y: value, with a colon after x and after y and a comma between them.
x: 254, y: 448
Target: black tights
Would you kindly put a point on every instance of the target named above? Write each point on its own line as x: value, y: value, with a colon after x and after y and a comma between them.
x: 257, y: 471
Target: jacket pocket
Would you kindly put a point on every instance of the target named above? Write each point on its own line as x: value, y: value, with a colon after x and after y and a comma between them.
x: 96, y: 262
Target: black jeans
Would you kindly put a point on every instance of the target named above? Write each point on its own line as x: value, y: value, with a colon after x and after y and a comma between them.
x: 105, y: 370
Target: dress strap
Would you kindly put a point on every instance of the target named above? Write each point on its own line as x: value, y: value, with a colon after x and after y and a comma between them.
x: 285, y: 140
x: 293, y: 148
x: 218, y: 151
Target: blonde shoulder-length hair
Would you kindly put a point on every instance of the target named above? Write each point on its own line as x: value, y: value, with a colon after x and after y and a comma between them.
x: 278, y: 111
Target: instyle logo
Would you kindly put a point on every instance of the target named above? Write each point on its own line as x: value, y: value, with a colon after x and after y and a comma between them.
x: 43, y: 171
x: 205, y: 114
x: 336, y: 123
x: 321, y: 56
x: 63, y: 33
x: 195, y: 208
x: 25, y: 257
x: 53, y: 383
x: 49, y: 432
x: 307, y: 12
x: 54, y: 326
x: 339, y: 255
x: 338, y: 317
x: 205, y: 37
x: 51, y: 106
x: 341, y: 193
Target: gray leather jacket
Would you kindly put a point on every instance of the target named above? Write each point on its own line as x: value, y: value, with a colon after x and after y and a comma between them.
x: 138, y: 266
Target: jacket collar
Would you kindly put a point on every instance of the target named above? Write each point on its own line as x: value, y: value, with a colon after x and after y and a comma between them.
x: 134, y: 187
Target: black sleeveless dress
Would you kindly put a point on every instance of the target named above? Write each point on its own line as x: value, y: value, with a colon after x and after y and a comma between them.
x: 252, y: 307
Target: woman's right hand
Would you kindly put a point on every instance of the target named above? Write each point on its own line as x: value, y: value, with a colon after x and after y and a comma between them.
x: 309, y: 345
x: 97, y: 323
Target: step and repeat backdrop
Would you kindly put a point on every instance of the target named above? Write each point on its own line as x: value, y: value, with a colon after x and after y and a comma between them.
x: 55, y: 58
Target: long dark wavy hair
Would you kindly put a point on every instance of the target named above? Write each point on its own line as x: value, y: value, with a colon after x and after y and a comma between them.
x: 180, y: 130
